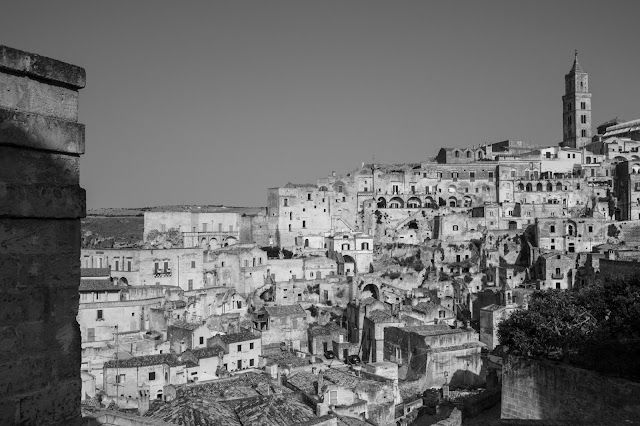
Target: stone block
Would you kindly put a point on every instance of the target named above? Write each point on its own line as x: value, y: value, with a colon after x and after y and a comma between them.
x: 8, y: 412
x: 29, y: 167
x: 24, y: 375
x: 24, y: 271
x: 31, y: 64
x: 37, y: 131
x: 56, y: 404
x: 26, y: 95
x: 33, y: 236
x: 44, y: 201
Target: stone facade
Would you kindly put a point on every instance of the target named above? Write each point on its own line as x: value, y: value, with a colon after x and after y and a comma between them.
x: 543, y: 390
x: 41, y: 204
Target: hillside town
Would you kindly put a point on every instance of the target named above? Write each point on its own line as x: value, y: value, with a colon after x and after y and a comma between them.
x: 366, y: 298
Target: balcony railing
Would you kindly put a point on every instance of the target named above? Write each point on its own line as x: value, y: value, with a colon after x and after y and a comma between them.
x: 556, y: 276
x: 211, y: 234
x: 162, y: 273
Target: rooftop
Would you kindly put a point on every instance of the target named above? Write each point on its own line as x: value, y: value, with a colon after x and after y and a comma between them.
x: 322, y: 330
x: 186, y: 325
x: 95, y: 272
x: 379, y: 316
x: 194, y: 411
x: 208, y: 352
x: 97, y: 285
x: 145, y: 361
x: 242, y: 336
x: 279, y: 311
x: 430, y: 330
x: 274, y: 410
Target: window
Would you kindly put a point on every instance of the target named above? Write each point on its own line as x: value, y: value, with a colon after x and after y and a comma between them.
x: 455, y: 227
x: 308, y: 196
x: 129, y: 265
x: 552, y: 228
x: 490, y: 176
x: 152, y: 376
x: 193, y: 264
x: 120, y: 378
x: 304, y: 223
x: 583, y: 105
x: 239, y: 348
x: 117, y: 264
x: 285, y: 202
x: 513, y: 173
x: 251, y: 362
x: 472, y: 175
x: 251, y: 345
x: 201, y: 340
x: 99, y: 315
x: 340, y: 188
x: 583, y: 133
x: 190, y: 284
x: 583, y: 119
x: 590, y: 228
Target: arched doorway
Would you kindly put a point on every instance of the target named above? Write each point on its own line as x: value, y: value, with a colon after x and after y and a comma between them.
x: 382, y: 203
x: 373, y: 289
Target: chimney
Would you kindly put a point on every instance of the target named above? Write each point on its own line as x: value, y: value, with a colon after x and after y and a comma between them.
x: 320, y: 382
x: 143, y: 401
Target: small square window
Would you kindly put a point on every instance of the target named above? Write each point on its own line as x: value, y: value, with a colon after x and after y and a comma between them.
x: 193, y: 264
x: 239, y: 348
x: 152, y: 375
x: 250, y: 345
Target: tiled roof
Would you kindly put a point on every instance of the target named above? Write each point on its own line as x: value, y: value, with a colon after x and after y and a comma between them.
x: 192, y: 411
x: 379, y: 316
x: 144, y: 361
x: 347, y: 380
x: 275, y: 410
x: 209, y: 352
x: 492, y: 308
x: 242, y: 336
x: 95, y: 272
x: 426, y: 307
x: 300, y: 185
x: 279, y: 311
x: 306, y: 382
x: 97, y: 285
x: 186, y: 325
x: 218, y: 388
x: 323, y: 330
x: 351, y: 421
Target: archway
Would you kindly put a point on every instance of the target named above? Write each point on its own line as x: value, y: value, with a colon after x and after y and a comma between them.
x: 231, y: 241
x: 453, y: 202
x: 373, y: 289
x: 123, y: 281
x: 539, y: 187
x: 203, y: 243
x: 349, y: 264
x: 213, y: 244
x: 396, y: 203
x: 382, y: 203
x: 414, y: 203
x: 549, y: 187
x: 429, y: 202
x: 467, y: 201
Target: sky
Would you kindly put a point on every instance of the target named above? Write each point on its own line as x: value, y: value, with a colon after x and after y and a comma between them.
x: 213, y: 102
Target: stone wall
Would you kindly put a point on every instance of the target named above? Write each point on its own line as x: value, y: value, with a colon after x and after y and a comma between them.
x: 543, y: 390
x: 41, y: 204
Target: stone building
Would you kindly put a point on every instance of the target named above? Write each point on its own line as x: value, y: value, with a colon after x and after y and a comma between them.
x: 125, y: 377
x: 243, y: 267
x: 425, y: 353
x: 321, y: 338
x: 181, y: 267
x: 576, y: 107
x: 282, y: 325
x: 356, y: 250
x: 373, y: 333
x: 241, y: 350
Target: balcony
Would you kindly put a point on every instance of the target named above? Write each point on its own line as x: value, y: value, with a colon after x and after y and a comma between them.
x: 211, y: 234
x: 158, y: 273
x: 557, y: 276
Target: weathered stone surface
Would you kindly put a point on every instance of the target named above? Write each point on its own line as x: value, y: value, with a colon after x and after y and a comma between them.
x: 24, y: 271
x: 32, y: 236
x: 57, y: 404
x: 23, y: 94
x: 28, y: 167
x: 32, y: 130
x: 52, y: 70
x: 13, y: 380
x: 51, y: 201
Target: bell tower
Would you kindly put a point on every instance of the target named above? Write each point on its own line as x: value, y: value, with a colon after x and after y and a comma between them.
x: 576, y: 107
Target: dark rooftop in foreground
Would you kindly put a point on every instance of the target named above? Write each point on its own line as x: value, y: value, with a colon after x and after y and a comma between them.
x: 95, y: 272
x: 97, y: 285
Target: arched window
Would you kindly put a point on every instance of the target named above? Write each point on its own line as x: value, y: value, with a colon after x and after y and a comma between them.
x: 539, y: 187
x: 468, y: 154
x: 549, y: 187
x: 457, y: 154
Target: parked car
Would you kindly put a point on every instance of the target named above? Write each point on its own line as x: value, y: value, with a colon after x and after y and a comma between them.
x: 352, y: 360
x: 329, y: 355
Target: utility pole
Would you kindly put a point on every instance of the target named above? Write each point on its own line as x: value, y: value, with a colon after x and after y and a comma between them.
x: 117, y: 366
